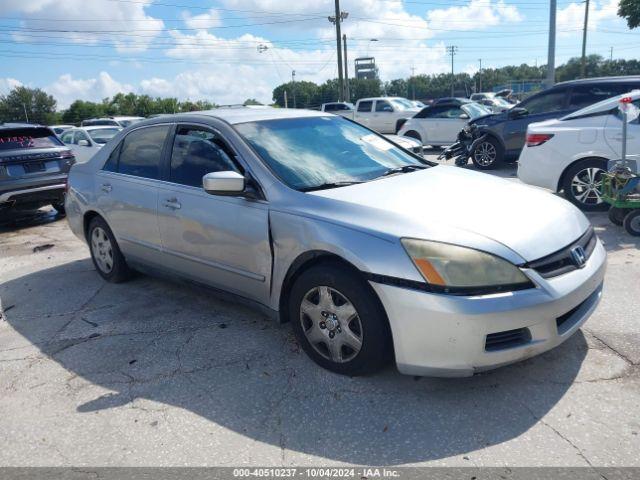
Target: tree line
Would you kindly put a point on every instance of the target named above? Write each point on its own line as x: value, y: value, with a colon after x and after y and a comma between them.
x: 37, y: 106
x: 425, y: 87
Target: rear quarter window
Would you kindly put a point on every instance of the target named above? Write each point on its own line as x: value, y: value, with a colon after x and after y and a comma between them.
x: 28, y: 138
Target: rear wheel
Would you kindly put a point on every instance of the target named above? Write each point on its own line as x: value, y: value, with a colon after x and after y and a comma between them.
x: 105, y: 253
x: 488, y: 154
x: 582, y: 184
x: 413, y: 134
x: 632, y: 222
x: 616, y: 215
x: 59, y: 207
x: 338, y: 320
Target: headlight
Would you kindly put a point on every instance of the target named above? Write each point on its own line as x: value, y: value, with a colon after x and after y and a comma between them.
x: 461, y: 270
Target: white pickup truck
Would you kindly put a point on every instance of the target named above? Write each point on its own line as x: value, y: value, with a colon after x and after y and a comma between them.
x: 378, y: 113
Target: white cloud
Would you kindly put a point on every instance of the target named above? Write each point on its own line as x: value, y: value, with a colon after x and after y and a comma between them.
x: 572, y: 16
x: 8, y: 84
x: 66, y: 89
x: 112, y: 22
x: 477, y: 15
x: 204, y: 20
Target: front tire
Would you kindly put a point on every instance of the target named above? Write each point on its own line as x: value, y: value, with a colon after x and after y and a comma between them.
x: 582, y: 184
x: 488, y: 154
x: 338, y: 320
x: 105, y: 252
x: 632, y: 222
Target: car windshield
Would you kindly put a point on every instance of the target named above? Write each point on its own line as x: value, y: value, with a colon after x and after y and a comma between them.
x: 402, y: 104
x: 307, y: 153
x: 500, y: 102
x: 475, y: 110
x: 102, y: 135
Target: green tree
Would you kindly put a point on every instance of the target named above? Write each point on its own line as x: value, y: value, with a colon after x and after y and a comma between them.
x: 81, y: 110
x: 28, y: 104
x: 630, y: 10
x: 251, y: 101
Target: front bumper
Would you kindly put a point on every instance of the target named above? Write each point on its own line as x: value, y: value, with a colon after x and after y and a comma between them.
x: 443, y: 335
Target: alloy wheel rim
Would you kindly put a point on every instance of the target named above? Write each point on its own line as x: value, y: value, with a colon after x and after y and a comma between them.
x: 485, y: 154
x: 331, y: 324
x: 102, y: 249
x: 586, y: 186
x: 634, y: 224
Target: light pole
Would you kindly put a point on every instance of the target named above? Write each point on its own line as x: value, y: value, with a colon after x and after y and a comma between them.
x: 551, y: 56
x: 347, y: 93
x: 293, y: 87
x: 480, y: 76
x: 583, y: 64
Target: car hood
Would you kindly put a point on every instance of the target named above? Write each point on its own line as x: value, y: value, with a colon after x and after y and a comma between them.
x: 451, y: 204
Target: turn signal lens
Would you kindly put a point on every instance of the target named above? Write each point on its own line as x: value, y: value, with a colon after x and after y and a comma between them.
x: 535, y: 139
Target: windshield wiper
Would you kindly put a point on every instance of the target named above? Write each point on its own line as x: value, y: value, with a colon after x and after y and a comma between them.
x: 403, y: 169
x: 325, y: 186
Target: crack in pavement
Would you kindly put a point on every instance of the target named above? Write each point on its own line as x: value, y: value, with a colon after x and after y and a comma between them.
x: 619, y: 354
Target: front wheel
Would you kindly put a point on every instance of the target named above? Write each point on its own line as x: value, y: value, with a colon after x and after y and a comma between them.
x: 632, y: 222
x: 488, y: 154
x: 582, y: 184
x: 338, y: 320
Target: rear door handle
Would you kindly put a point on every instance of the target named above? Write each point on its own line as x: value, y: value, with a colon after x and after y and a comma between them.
x: 619, y: 137
x: 172, y: 203
x: 106, y: 187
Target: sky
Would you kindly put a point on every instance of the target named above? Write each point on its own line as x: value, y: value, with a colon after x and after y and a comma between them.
x: 226, y: 51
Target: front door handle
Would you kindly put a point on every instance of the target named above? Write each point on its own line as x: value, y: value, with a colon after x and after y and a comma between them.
x: 106, y: 187
x: 172, y: 203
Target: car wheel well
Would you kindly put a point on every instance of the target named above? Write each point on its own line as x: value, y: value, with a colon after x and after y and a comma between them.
x: 88, y: 216
x: 413, y: 134
x: 568, y: 167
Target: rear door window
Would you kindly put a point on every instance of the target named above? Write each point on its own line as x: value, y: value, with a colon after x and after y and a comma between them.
x: 28, y: 138
x: 329, y: 108
x: 547, y: 102
x: 365, y: 106
x: 383, y: 106
x: 196, y: 152
x: 585, y: 95
x: 142, y: 151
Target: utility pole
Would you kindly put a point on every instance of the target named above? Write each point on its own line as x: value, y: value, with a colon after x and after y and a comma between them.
x: 452, y: 49
x: 337, y: 20
x: 480, y: 76
x: 347, y: 93
x: 24, y: 107
x: 286, y: 105
x: 583, y: 65
x: 413, y: 83
x: 611, y: 54
x: 551, y: 56
x: 293, y: 87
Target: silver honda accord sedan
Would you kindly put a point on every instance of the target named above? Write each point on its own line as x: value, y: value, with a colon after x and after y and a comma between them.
x: 372, y: 253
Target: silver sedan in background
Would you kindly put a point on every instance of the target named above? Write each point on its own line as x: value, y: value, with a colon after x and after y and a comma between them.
x: 369, y: 251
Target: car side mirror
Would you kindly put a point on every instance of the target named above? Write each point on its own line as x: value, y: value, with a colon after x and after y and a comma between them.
x: 223, y: 183
x: 517, y: 112
x: 83, y: 143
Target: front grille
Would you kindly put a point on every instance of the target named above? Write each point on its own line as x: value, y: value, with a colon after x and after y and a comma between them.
x: 562, y: 261
x: 507, y: 339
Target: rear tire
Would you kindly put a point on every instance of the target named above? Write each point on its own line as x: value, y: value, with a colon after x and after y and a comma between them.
x: 105, y: 252
x: 616, y: 215
x: 338, y: 320
x: 582, y: 182
x: 488, y: 154
x: 59, y: 207
x: 413, y: 134
x: 632, y: 222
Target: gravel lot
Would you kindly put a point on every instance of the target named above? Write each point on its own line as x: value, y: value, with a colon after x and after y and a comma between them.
x: 156, y: 373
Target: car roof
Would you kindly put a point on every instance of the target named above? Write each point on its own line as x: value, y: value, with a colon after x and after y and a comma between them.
x: 245, y: 114
x: 618, y: 79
